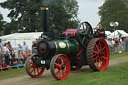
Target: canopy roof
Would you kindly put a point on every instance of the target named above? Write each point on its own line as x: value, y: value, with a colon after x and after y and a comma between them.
x: 118, y: 34
x: 21, y: 36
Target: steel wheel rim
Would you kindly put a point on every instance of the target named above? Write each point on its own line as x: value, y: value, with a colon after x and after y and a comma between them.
x: 31, y: 69
x: 101, y: 54
x: 60, y: 67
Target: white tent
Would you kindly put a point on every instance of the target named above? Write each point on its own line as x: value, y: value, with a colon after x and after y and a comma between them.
x: 107, y: 33
x: 18, y: 38
x: 118, y: 34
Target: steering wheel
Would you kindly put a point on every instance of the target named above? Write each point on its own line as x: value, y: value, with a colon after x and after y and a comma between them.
x: 84, y: 31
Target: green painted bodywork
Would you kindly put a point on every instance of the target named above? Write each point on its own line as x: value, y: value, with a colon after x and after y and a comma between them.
x: 66, y: 47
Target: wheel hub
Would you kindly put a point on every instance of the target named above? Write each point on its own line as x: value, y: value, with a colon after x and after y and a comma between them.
x: 63, y: 67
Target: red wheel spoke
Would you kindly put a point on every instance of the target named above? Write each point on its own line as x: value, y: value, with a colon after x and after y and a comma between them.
x: 103, y: 48
x: 38, y: 70
x: 57, y: 72
x: 94, y: 55
x: 95, y: 58
x: 55, y: 68
x: 30, y: 67
x: 58, y: 60
x: 96, y: 63
x: 63, y: 62
x: 101, y: 62
x: 97, y: 47
x: 95, y: 52
x: 104, y: 57
x: 30, y: 63
x: 32, y: 71
x: 65, y: 70
x: 57, y: 64
x: 62, y: 72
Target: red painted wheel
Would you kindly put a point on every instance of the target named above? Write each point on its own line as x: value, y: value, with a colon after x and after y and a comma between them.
x: 98, y: 54
x: 73, y: 68
x: 60, y: 66
x: 32, y: 69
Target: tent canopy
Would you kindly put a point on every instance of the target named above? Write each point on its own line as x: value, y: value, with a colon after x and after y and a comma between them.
x: 18, y: 38
x: 107, y: 33
x: 118, y: 34
x: 21, y: 36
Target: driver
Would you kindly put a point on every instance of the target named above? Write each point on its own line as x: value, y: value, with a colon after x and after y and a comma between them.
x: 86, y: 29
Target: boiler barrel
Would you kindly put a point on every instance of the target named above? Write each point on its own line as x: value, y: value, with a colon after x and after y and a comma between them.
x: 47, y: 49
x: 66, y: 47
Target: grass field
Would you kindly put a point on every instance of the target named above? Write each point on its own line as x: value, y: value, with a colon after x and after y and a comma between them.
x: 114, y: 75
x: 118, y: 75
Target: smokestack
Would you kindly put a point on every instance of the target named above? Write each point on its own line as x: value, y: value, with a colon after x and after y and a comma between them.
x: 45, y: 16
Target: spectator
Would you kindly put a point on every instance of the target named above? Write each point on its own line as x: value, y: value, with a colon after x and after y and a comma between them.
x: 113, y: 47
x: 1, y: 58
x: 106, y: 40
x: 120, y: 46
x: 34, y: 47
x: 26, y: 55
x: 110, y: 46
x: 19, y: 45
x: 14, y: 60
x: 24, y: 47
x: 6, y: 53
x: 116, y: 45
x: 126, y: 44
x: 101, y: 32
x: 19, y: 56
x: 10, y: 47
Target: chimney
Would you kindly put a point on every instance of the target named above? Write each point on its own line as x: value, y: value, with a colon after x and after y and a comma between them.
x: 45, y: 17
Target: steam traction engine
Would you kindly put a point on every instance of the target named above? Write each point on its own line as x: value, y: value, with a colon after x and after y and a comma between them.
x: 69, y: 51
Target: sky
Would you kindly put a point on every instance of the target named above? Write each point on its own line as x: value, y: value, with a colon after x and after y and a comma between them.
x: 88, y: 11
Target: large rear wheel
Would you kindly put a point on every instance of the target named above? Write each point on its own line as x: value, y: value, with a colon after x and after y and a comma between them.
x: 60, y: 66
x: 32, y: 69
x: 98, y: 54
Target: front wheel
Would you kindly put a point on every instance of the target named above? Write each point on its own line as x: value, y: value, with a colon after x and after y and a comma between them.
x: 32, y: 69
x: 60, y: 66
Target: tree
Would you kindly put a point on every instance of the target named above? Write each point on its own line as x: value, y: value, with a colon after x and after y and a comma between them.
x: 26, y: 16
x: 2, y: 23
x: 114, y: 10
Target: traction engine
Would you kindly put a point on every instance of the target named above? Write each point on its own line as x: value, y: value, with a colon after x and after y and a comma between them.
x: 62, y: 52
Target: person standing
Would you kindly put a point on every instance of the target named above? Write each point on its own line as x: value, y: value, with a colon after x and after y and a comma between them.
x: 113, y: 46
x: 10, y: 49
x: 34, y: 47
x: 6, y: 53
x: 126, y: 44
x: 24, y: 47
x: 116, y: 45
x: 101, y: 32
x: 110, y: 46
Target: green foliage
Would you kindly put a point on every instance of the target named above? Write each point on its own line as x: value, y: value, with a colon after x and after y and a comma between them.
x: 2, y: 23
x: 114, y: 10
x: 26, y: 16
